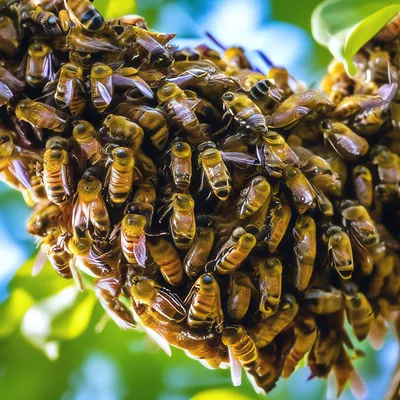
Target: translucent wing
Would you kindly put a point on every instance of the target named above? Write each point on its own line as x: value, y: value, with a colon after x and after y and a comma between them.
x: 139, y: 249
x: 236, y: 369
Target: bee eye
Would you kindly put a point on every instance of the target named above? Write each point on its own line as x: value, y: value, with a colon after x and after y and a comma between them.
x: 325, y: 124
x: 52, y: 20
x: 228, y: 96
x: 207, y: 279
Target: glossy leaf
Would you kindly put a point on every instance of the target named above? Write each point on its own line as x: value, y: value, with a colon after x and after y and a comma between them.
x: 220, y: 394
x: 344, y: 26
x: 114, y: 9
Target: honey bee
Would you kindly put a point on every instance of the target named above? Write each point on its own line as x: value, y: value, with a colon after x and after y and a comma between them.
x: 70, y: 90
x: 84, y: 14
x: 253, y: 197
x: 305, y: 250
x: 102, y: 88
x: 90, y: 211
x: 215, y: 170
x: 167, y: 259
x: 181, y: 164
x: 358, y: 221
x: 127, y: 77
x: 388, y: 165
x: 241, y: 348
x: 152, y: 42
x: 301, y: 191
x: 363, y: 186
x: 162, y: 300
x: 344, y: 141
x: 203, y: 345
x: 306, y: 332
x: 340, y: 251
x: 41, y: 115
x: 205, y: 303
x: 10, y: 38
x: 57, y: 177
x: 383, y: 268
x: 390, y: 31
x: 274, y: 153
x: 123, y: 130
x: 234, y: 251
x: 241, y: 292
x: 43, y: 222
x: 265, y: 331
x: 133, y: 239
x: 121, y: 175
x: 324, y: 353
x: 320, y: 301
x: 150, y: 119
x: 60, y: 258
x: 175, y: 102
x: 310, y: 103
x: 358, y: 310
x: 197, y: 256
x: 146, y: 168
x: 264, y: 92
x: 269, y: 275
x: 337, y: 83
x: 84, y: 133
x: 39, y: 64
x: 278, y: 221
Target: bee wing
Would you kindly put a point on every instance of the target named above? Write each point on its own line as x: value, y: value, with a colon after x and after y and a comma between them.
x: 388, y: 91
x: 103, y: 93
x: 17, y: 168
x: 240, y: 158
x: 40, y: 260
x: 76, y: 275
x: 65, y: 178
x: 136, y: 81
x: 357, y: 385
x: 253, y: 382
x: 5, y: 91
x: 236, y: 368
x: 139, y: 249
x: 376, y: 335
x: 163, y: 343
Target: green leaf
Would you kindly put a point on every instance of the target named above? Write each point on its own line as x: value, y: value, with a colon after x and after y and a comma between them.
x: 344, y: 26
x: 115, y: 9
x: 73, y: 322
x: 13, y: 310
x: 220, y: 394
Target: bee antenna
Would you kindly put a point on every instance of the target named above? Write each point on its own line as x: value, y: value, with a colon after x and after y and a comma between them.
x: 215, y: 41
x: 265, y: 58
x: 44, y: 96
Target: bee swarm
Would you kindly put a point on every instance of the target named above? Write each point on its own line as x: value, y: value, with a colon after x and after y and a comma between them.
x: 233, y: 214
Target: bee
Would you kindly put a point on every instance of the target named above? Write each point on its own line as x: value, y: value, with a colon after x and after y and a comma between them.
x: 390, y: 31
x: 305, y: 250
x: 150, y: 119
x: 269, y: 274
x: 383, y: 268
x: 57, y: 177
x: 146, y: 168
x: 358, y: 310
x: 120, y: 175
x: 274, y: 153
x: 197, y: 256
x: 84, y: 14
x: 344, y: 141
x: 337, y: 83
x: 167, y: 259
x: 391, y: 286
x: 340, y: 251
x: 265, y: 331
x: 41, y: 115
x: 10, y: 38
x: 70, y: 90
x: 199, y: 344
x: 363, y: 185
x: 90, y: 211
x: 241, y: 348
x: 301, y: 191
x: 359, y: 223
x: 185, y: 54
x: 367, y: 113
x: 266, y: 92
x: 101, y: 84
x: 60, y: 258
x: 39, y: 64
x: 234, y: 251
x: 205, y: 303
x: 84, y: 133
x: 324, y: 353
x: 253, y: 197
x: 181, y: 164
x: 278, y: 222
x: 310, y: 103
x: 152, y: 42
x: 175, y: 102
x: 123, y: 130
x: 162, y: 300
x: 133, y: 239
x: 241, y: 291
x: 388, y: 165
x: 306, y: 333
x: 44, y: 221
x: 320, y: 301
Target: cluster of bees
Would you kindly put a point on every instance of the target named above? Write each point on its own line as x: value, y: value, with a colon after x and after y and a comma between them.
x: 232, y: 213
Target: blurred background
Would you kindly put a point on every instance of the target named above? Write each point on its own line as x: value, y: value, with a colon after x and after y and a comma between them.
x: 54, y: 352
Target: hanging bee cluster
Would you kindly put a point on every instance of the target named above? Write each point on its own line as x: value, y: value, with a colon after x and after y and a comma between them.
x: 234, y: 214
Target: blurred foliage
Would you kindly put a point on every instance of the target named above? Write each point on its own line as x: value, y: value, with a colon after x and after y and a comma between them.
x: 60, y: 322
x: 344, y: 26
